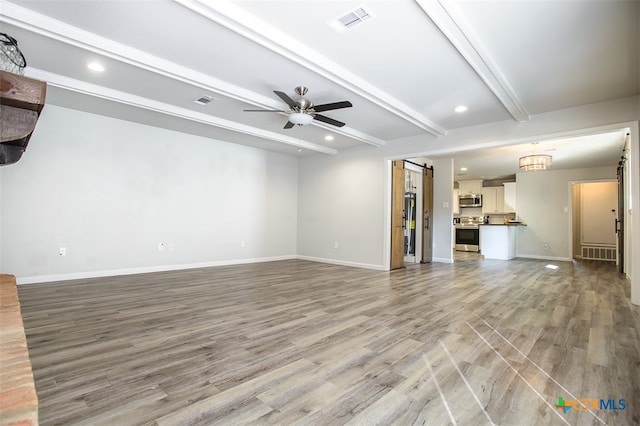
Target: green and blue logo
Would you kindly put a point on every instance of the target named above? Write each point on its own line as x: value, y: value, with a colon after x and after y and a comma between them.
x: 579, y: 404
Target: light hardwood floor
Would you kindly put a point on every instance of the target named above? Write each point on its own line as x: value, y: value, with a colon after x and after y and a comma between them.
x: 295, y: 342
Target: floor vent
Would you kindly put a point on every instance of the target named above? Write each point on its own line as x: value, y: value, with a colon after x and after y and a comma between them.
x: 350, y: 19
x: 599, y: 253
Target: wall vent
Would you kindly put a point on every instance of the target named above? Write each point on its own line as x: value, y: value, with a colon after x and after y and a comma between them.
x: 350, y: 19
x: 203, y: 100
x: 599, y: 253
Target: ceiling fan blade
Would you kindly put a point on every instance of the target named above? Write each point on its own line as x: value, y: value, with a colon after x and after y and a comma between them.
x: 288, y: 125
x: 263, y: 110
x: 328, y: 120
x: 286, y: 99
x: 333, y: 105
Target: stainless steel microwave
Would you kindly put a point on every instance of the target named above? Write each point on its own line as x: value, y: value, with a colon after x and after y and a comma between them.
x: 470, y: 200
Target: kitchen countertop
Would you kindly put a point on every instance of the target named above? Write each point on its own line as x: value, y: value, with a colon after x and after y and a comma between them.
x: 503, y: 224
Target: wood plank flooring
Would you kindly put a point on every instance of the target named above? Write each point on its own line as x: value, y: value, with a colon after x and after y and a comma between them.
x: 294, y: 342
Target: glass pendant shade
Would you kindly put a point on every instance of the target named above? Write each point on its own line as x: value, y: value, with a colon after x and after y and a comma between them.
x: 11, y: 58
x: 535, y: 162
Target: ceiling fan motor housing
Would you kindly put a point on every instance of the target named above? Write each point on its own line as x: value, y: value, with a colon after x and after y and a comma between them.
x: 301, y: 90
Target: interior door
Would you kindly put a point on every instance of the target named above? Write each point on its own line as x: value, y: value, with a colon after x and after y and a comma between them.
x: 397, y: 214
x: 427, y: 216
x: 620, y: 218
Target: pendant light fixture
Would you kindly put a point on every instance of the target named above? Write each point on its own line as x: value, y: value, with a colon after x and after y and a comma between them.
x: 11, y: 58
x: 535, y: 162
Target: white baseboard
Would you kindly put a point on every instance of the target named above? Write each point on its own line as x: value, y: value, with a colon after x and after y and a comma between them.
x: 343, y: 263
x: 534, y: 256
x: 143, y: 270
x: 442, y: 260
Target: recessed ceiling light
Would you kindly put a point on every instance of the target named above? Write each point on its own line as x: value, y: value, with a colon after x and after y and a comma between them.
x: 95, y: 66
x: 328, y: 138
x: 463, y: 169
x: 461, y: 108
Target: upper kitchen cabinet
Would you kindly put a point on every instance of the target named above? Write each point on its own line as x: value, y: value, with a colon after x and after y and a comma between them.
x: 499, y: 199
x: 466, y: 187
x: 509, y: 197
x: 493, y: 199
x: 456, y: 201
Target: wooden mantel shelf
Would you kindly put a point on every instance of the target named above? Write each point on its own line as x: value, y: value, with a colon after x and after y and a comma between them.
x: 18, y: 398
x: 21, y: 101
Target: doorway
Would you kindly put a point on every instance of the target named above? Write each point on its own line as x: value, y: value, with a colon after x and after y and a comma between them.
x: 411, y: 213
x: 595, y: 220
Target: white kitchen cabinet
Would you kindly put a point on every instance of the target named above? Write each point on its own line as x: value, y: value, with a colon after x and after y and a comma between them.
x: 466, y: 187
x: 493, y: 199
x: 498, y: 241
x: 510, y: 197
x: 456, y: 202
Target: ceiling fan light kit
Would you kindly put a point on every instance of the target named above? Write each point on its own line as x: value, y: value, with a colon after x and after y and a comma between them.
x: 302, y: 111
x: 300, y: 118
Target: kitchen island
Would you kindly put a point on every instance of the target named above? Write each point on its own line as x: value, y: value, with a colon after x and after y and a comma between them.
x: 498, y: 241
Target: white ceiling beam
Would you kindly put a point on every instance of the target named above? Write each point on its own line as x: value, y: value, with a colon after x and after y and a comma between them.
x: 448, y: 18
x: 240, y: 21
x: 101, y: 92
x: 73, y: 36
x: 65, y: 33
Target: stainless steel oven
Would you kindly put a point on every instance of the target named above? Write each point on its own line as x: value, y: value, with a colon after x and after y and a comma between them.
x: 468, y: 233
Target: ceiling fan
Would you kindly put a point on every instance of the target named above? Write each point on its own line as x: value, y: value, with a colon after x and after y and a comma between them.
x: 303, y: 111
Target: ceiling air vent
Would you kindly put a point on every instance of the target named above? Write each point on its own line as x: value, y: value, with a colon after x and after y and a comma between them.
x: 350, y: 19
x: 203, y: 100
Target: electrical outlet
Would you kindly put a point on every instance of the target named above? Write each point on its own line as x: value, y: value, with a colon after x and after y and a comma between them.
x: 335, y: 245
x: 62, y: 251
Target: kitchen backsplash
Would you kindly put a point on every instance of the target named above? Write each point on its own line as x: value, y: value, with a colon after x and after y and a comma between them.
x: 500, y: 218
x: 493, y: 218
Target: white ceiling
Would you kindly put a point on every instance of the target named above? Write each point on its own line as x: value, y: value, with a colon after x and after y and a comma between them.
x: 404, y: 70
x: 593, y: 150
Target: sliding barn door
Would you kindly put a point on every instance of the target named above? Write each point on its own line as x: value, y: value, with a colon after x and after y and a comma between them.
x: 620, y: 218
x: 427, y: 215
x: 397, y: 214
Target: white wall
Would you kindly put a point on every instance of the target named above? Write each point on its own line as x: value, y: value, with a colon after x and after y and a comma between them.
x: 110, y: 190
x: 341, y: 200
x: 372, y: 243
x: 544, y: 204
x: 326, y: 184
x: 443, y: 210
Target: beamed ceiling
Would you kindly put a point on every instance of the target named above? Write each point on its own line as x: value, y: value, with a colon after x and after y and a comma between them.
x: 404, y: 68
